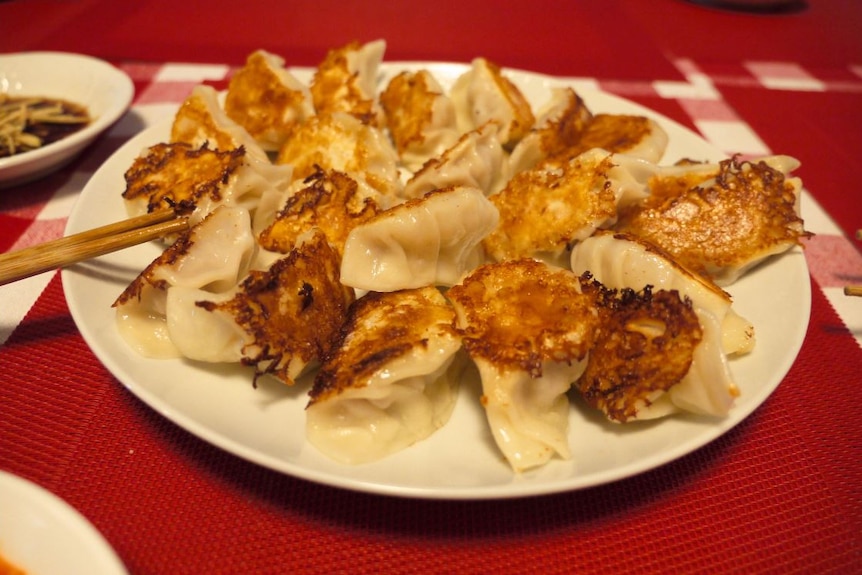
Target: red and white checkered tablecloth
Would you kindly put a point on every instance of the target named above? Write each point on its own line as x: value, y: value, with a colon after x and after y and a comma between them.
x: 780, y: 493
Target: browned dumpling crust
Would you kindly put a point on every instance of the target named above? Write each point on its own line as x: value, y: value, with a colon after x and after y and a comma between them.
x: 379, y: 329
x: 518, y: 314
x: 523, y: 117
x: 561, y: 139
x: 408, y: 103
x: 336, y: 88
x: 330, y: 201
x: 643, y: 347
x: 751, y: 209
x: 292, y: 311
x: 177, y: 176
x: 260, y: 101
x: 618, y: 133
x: 547, y: 208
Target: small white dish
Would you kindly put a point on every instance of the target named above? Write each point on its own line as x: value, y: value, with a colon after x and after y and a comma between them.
x: 103, y: 89
x: 41, y: 533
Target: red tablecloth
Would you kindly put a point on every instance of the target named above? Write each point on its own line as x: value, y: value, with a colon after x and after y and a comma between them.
x: 780, y: 493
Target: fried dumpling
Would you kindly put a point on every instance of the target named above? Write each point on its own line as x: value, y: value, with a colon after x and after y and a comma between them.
x: 636, y: 136
x: 484, y: 94
x: 279, y: 320
x: 546, y: 209
x: 558, y: 128
x: 528, y: 327
x: 431, y: 240
x: 201, y: 120
x: 619, y: 262
x: 266, y: 99
x: 391, y: 381
x: 195, y: 181
x: 477, y: 159
x: 332, y: 202
x: 346, y: 81
x: 643, y: 347
x: 725, y: 225
x: 420, y: 117
x: 341, y: 142
x: 212, y: 256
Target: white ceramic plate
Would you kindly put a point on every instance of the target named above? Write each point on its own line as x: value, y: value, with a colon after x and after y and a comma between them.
x: 266, y: 425
x: 42, y: 534
x: 105, y: 90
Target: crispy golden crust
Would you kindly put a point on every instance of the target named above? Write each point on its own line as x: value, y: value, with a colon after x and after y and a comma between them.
x: 295, y: 309
x: 643, y: 347
x: 560, y: 137
x: 335, y: 88
x: 662, y: 189
x: 329, y: 142
x: 330, y: 202
x: 523, y: 118
x: 750, y: 210
x: 380, y: 328
x: 259, y: 101
x: 408, y: 102
x: 177, y: 176
x: 546, y: 208
x: 519, y: 314
x: 194, y: 118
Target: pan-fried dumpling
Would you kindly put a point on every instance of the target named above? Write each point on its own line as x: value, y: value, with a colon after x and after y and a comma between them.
x: 546, y: 209
x: 484, y: 94
x: 195, y: 181
x: 339, y: 141
x: 644, y: 346
x: 528, y: 327
x: 212, y: 256
x: 431, y: 240
x: 557, y: 130
x: 420, y: 117
x: 266, y: 99
x: 619, y: 262
x: 636, y: 136
x: 279, y: 320
x: 346, y: 81
x: 392, y: 379
x: 723, y: 226
x: 330, y: 201
x: 201, y: 121
x: 477, y: 159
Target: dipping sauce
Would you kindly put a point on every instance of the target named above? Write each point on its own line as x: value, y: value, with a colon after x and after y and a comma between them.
x: 30, y: 122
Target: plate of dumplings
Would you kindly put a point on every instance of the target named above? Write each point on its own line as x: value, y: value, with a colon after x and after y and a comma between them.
x: 443, y: 280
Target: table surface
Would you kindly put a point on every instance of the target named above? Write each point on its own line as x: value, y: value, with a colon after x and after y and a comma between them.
x: 781, y: 492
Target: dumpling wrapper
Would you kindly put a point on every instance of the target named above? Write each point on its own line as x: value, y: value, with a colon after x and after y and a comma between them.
x: 546, y: 209
x: 420, y: 117
x: 201, y: 120
x: 529, y: 328
x: 346, y: 81
x: 484, y: 94
x: 392, y: 381
x: 432, y: 240
x: 619, y: 261
x: 196, y: 181
x: 722, y: 223
x: 212, y: 256
x: 477, y: 159
x: 279, y: 320
x: 266, y: 99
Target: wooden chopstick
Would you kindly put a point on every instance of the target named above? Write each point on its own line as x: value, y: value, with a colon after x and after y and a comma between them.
x: 72, y: 249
